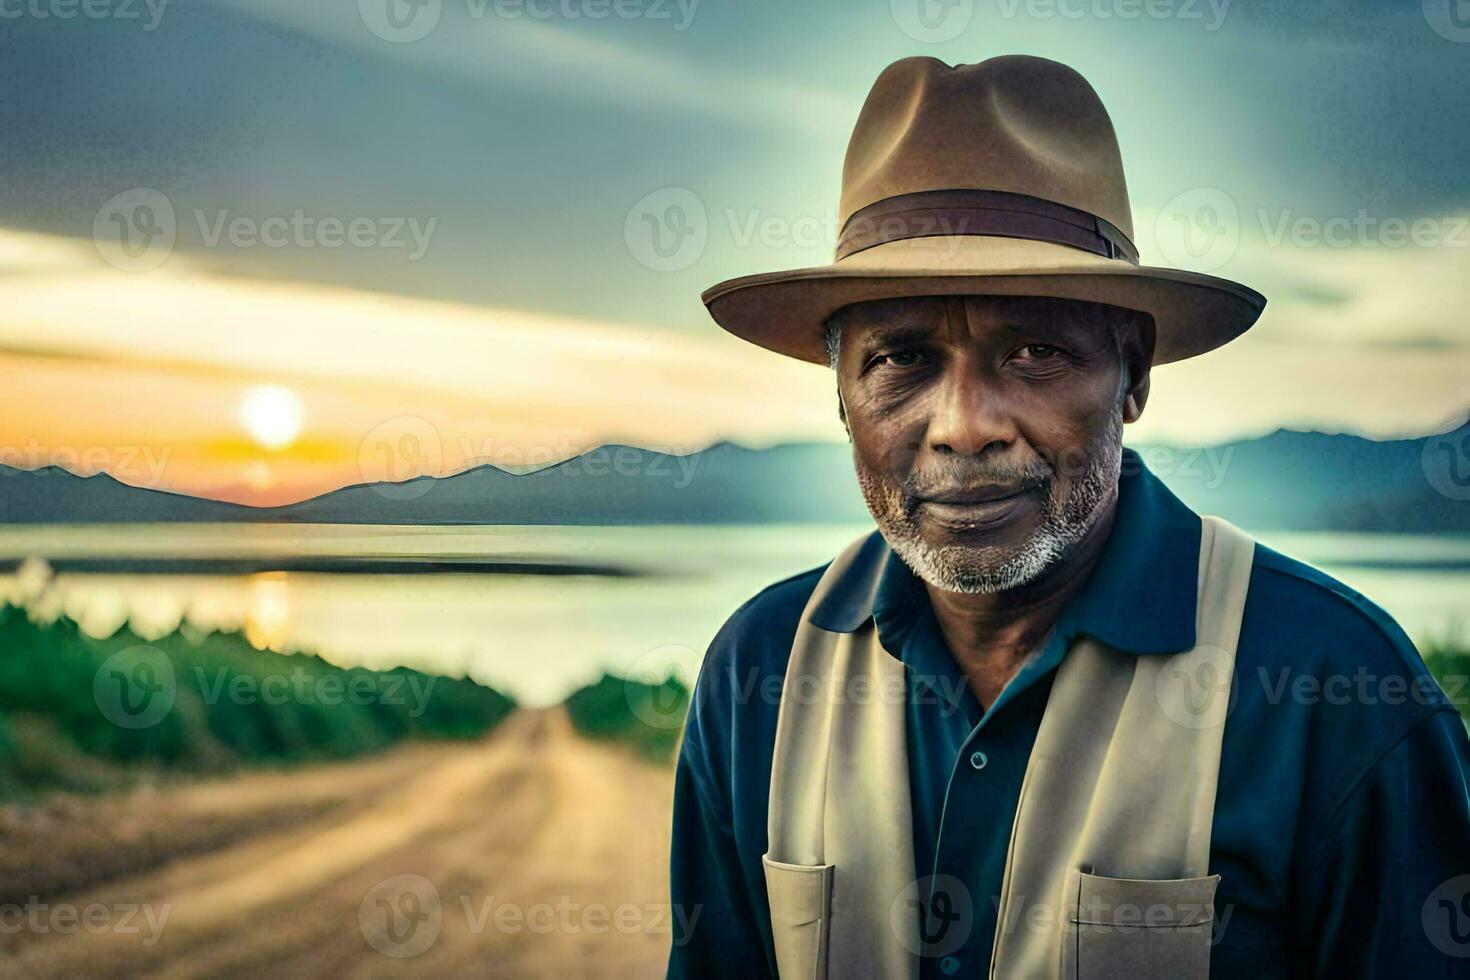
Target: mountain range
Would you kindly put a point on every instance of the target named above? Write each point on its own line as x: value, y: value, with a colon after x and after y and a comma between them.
x: 1287, y: 480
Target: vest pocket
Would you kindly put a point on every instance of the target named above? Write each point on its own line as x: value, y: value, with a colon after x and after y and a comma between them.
x: 800, y: 897
x: 1138, y: 927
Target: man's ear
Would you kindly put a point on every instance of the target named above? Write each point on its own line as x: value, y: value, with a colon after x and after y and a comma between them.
x: 1136, y: 398
x: 1138, y: 355
x: 842, y: 414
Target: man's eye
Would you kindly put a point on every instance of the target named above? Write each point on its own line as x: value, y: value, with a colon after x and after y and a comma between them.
x: 899, y: 358
x: 1039, y: 352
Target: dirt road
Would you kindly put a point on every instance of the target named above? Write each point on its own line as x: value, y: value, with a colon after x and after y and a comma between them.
x: 531, y: 853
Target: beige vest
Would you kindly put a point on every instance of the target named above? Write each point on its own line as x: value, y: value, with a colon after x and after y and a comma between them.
x: 1108, y: 869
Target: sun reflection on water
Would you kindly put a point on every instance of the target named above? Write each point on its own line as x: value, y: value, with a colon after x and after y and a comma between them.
x: 268, y: 611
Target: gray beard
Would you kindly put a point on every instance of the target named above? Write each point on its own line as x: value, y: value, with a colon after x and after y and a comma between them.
x: 961, y: 568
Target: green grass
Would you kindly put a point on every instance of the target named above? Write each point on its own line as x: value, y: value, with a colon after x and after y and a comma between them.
x: 650, y: 717
x: 200, y: 704
x: 1450, y: 665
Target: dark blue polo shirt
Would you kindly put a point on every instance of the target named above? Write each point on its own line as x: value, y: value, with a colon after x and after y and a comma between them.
x: 1342, y: 821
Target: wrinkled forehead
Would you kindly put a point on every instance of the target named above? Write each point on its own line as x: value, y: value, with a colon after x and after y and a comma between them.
x: 977, y: 318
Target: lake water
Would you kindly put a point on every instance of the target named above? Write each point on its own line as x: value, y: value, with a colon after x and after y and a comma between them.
x: 656, y: 597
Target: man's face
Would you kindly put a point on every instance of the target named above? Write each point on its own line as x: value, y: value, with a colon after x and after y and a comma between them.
x: 987, y: 431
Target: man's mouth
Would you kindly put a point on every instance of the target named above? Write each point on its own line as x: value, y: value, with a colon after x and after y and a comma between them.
x: 975, y: 507
x: 972, y: 495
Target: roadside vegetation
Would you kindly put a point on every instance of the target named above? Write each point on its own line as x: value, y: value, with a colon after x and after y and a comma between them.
x: 80, y: 713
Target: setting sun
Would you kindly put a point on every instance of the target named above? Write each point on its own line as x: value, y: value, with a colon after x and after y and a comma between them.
x: 272, y: 415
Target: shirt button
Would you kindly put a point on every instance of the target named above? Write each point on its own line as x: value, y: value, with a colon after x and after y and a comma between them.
x: 979, y: 759
x: 949, y: 966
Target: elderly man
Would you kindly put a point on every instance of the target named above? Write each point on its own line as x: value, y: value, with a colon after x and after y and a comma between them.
x: 1046, y: 722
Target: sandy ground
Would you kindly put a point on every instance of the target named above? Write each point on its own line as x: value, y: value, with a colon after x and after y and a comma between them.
x: 532, y: 853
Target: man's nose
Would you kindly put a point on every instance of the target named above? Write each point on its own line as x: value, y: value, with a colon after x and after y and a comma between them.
x: 969, y: 417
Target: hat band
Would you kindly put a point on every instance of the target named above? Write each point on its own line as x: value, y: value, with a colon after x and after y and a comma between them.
x: 930, y: 214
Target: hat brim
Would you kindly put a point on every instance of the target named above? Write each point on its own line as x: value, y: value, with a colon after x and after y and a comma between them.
x: 785, y: 311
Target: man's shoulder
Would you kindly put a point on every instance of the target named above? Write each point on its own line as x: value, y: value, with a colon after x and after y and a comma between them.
x: 1329, y: 694
x: 758, y: 635
x: 1308, y: 618
x: 1322, y: 666
x: 741, y: 677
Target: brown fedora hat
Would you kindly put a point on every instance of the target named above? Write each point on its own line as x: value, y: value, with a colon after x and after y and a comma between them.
x: 1001, y: 178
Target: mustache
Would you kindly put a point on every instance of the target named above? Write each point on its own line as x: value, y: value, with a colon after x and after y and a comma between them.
x: 960, y: 474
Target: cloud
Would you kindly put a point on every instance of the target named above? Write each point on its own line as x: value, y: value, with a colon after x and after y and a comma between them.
x: 1354, y: 281
x: 1366, y: 337
x: 529, y: 371
x: 502, y: 54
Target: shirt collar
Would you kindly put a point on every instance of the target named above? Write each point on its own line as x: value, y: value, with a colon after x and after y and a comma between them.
x: 1140, y: 597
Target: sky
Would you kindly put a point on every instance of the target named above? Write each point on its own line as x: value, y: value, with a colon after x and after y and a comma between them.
x: 259, y: 249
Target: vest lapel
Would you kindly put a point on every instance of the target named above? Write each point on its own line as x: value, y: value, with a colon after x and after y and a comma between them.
x: 1122, y: 777
x: 840, y: 827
